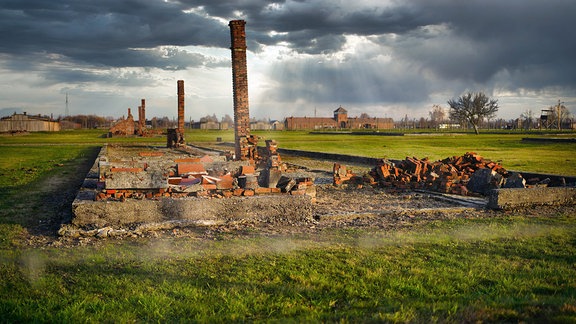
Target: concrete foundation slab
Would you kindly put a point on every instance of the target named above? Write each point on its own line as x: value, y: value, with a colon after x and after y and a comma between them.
x: 271, y: 208
x: 515, y: 197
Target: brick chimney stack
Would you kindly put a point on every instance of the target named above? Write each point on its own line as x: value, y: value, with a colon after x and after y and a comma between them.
x: 180, y: 129
x: 143, y: 119
x: 139, y: 130
x: 240, y: 86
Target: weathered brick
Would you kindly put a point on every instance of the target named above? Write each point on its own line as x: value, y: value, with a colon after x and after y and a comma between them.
x: 209, y: 186
x: 191, y: 168
x: 226, y: 182
x: 262, y: 191
x: 247, y: 169
x: 174, y: 180
x: 187, y: 160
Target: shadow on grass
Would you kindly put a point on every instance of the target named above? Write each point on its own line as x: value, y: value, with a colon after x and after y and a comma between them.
x: 41, y: 206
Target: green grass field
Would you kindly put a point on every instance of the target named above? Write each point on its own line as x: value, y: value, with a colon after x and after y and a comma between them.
x: 508, y: 149
x: 508, y: 268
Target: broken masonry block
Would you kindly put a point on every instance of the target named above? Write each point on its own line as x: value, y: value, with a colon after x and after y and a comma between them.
x: 514, y: 180
x: 271, y: 177
x: 286, y: 184
x: 483, y: 180
x: 247, y: 181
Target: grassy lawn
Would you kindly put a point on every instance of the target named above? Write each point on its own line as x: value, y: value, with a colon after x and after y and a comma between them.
x: 508, y: 268
x: 505, y: 270
x: 508, y: 149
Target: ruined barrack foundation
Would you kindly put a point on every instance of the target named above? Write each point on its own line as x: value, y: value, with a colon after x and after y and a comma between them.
x: 133, y: 184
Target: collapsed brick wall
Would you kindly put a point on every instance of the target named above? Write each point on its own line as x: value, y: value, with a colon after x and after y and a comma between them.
x: 124, y: 127
x: 240, y: 87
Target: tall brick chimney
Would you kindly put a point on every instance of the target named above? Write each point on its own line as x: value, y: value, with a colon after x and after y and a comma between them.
x: 143, y: 119
x: 240, y: 86
x: 139, y: 129
x: 180, y: 129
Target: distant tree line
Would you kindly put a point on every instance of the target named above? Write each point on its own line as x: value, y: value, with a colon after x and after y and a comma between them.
x: 89, y: 121
x: 470, y: 110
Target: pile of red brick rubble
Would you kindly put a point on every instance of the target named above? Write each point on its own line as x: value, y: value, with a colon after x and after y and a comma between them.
x: 463, y: 175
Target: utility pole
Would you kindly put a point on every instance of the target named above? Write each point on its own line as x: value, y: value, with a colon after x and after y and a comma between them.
x: 66, y: 112
x: 558, y: 115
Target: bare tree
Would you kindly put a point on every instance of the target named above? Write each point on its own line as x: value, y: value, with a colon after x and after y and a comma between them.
x: 227, y: 119
x: 559, y: 113
x: 437, y: 115
x: 473, y: 108
x: 527, y: 119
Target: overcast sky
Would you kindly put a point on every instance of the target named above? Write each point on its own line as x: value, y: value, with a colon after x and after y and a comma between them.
x: 385, y: 58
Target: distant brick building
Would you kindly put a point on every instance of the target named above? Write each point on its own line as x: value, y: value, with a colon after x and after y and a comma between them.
x: 339, y: 121
x: 28, y: 123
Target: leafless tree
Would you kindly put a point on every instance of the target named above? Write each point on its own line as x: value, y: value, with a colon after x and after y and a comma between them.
x: 559, y: 113
x: 473, y: 108
x: 527, y: 119
x: 437, y: 115
x: 227, y: 119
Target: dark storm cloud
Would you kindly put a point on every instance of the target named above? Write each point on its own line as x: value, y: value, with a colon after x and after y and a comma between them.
x: 106, y: 32
x: 488, y: 44
x: 306, y: 25
x: 442, y: 45
x: 483, y: 38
